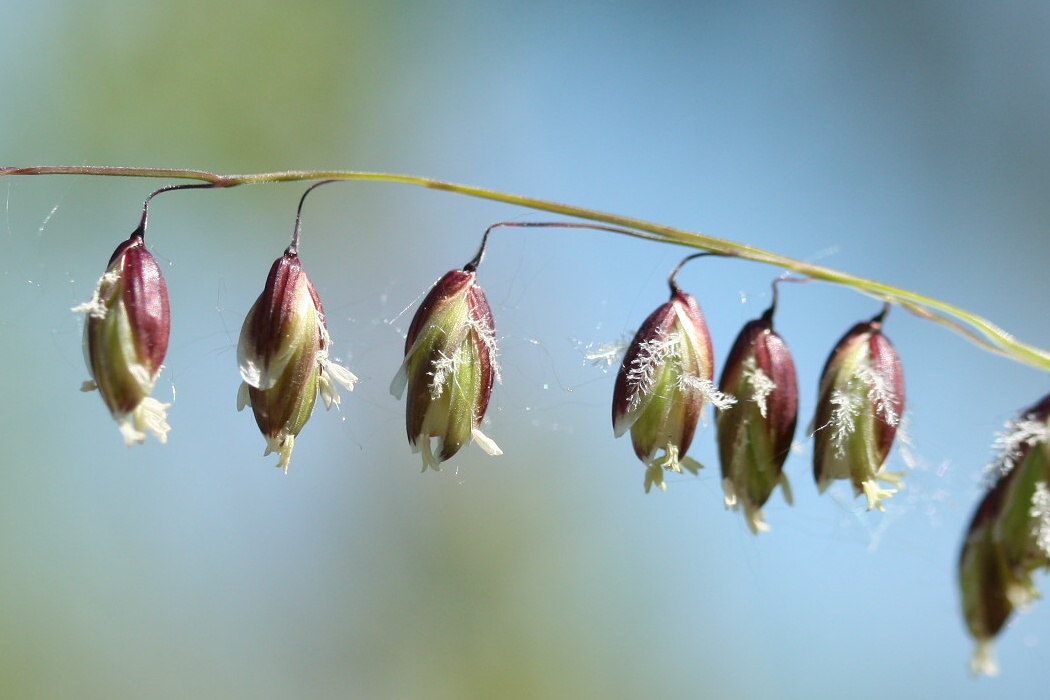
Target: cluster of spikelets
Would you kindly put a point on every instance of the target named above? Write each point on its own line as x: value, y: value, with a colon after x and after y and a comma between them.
x: 283, y: 354
x: 666, y: 380
x: 664, y: 383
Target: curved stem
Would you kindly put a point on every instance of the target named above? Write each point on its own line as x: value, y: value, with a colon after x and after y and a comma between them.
x: 141, y: 230
x: 672, y: 279
x: 974, y: 328
x: 293, y: 247
x: 476, y: 260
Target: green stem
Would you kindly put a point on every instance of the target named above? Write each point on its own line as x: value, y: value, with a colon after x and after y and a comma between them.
x: 974, y: 328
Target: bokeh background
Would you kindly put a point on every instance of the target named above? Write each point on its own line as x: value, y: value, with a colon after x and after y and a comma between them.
x: 901, y: 141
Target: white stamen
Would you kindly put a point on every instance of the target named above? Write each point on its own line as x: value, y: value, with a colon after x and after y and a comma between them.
x: 94, y: 306
x: 983, y: 660
x: 485, y: 443
x: 341, y: 375
x: 756, y: 519
x: 150, y: 416
x: 327, y: 376
x: 282, y: 444
x: 730, y: 499
x: 429, y: 460
x: 130, y: 434
x: 670, y: 462
x: 875, y: 493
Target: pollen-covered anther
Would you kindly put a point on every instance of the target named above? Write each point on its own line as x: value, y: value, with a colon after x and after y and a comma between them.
x: 669, y: 461
x: 282, y: 445
x: 331, y: 376
x: 654, y: 476
x: 875, y: 493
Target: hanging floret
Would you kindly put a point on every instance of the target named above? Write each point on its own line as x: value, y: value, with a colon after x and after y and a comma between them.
x: 126, y: 335
x: 859, y: 408
x: 126, y: 338
x: 664, y: 383
x: 283, y: 354
x: 755, y: 433
x: 1009, y: 535
x: 449, y: 367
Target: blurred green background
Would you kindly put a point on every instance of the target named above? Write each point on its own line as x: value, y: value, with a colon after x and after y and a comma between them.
x: 901, y: 141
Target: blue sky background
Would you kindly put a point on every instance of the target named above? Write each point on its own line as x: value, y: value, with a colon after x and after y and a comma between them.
x: 904, y: 142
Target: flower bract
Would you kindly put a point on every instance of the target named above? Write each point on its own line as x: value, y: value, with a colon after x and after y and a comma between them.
x: 283, y: 357
x: 126, y: 338
x: 755, y: 433
x: 664, y: 383
x: 859, y: 409
x: 449, y: 369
